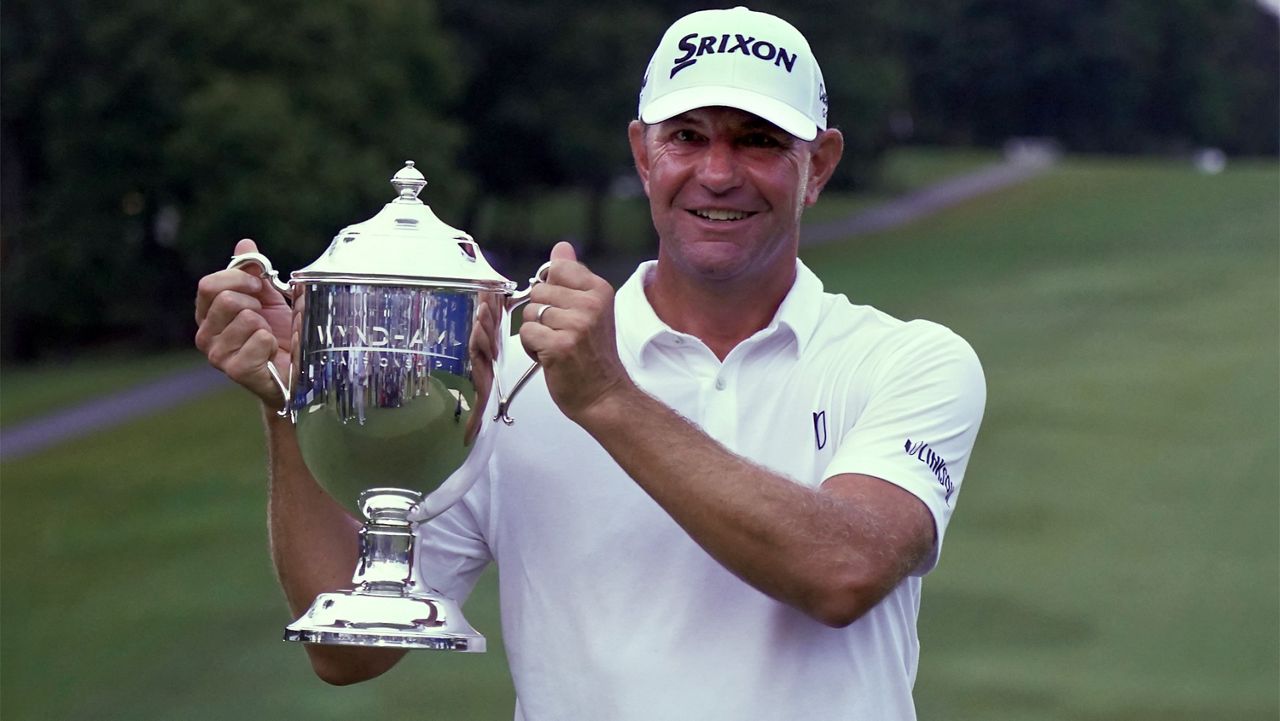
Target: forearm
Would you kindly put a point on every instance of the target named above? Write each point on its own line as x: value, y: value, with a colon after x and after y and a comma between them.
x: 314, y: 547
x: 832, y: 552
x: 823, y: 553
x: 313, y: 539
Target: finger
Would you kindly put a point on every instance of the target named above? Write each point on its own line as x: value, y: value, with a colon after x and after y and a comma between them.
x: 224, y: 281
x: 566, y: 270
x: 246, y: 279
x: 481, y: 345
x: 537, y: 312
x: 225, y: 306
x: 230, y: 341
x: 537, y: 339
x: 250, y: 359
x: 563, y: 251
x: 571, y: 274
x: 267, y: 291
x: 561, y: 297
x: 495, y: 340
x: 247, y: 245
x: 249, y: 365
x: 491, y: 320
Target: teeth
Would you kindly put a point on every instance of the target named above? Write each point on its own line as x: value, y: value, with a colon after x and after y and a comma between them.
x: 719, y: 214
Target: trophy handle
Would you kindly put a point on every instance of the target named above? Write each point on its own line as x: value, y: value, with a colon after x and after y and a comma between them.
x: 273, y: 276
x: 268, y: 273
x: 517, y: 300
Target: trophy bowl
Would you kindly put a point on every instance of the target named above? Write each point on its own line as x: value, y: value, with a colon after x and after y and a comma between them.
x: 392, y: 408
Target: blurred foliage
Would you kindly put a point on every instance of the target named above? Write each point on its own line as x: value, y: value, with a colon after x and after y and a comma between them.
x: 144, y: 137
x: 1097, y: 75
x: 553, y: 98
x: 550, y: 98
x: 141, y: 138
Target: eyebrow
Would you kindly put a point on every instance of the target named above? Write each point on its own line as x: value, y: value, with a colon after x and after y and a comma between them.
x: 750, y: 122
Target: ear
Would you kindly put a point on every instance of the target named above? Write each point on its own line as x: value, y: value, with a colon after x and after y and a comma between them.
x: 825, y: 153
x: 639, y: 152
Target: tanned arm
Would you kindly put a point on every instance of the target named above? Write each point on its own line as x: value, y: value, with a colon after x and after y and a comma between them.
x: 243, y: 323
x: 832, y: 552
x: 314, y: 546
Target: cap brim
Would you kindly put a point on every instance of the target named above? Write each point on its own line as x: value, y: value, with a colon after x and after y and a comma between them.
x: 682, y: 101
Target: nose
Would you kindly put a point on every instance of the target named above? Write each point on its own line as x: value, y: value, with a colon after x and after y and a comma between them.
x: 718, y: 171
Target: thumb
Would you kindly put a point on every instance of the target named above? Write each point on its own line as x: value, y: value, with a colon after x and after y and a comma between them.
x: 563, y: 251
x: 245, y: 246
x: 266, y: 292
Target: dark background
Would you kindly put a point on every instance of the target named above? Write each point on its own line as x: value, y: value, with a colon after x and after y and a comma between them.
x: 141, y: 138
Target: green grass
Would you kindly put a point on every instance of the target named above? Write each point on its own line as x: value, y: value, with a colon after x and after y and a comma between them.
x: 1114, y: 555
x: 911, y: 167
x: 29, y: 391
x: 137, y: 586
x: 904, y: 170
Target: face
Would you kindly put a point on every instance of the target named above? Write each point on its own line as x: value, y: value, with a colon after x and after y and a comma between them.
x: 726, y: 190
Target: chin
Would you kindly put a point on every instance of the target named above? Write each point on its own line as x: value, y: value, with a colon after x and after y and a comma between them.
x: 719, y: 264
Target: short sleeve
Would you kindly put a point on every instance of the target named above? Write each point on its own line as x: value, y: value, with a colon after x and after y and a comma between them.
x: 451, y: 550
x: 919, y: 421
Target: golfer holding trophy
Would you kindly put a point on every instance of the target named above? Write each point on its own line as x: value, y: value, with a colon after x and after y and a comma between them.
x: 712, y: 494
x: 389, y: 405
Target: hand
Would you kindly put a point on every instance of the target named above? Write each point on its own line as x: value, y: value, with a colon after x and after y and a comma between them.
x: 244, y: 322
x: 574, y: 338
x: 483, y: 348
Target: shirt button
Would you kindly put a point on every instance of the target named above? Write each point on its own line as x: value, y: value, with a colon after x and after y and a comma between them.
x: 720, y: 384
x: 679, y: 340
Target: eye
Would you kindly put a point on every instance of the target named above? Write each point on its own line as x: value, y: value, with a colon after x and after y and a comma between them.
x: 685, y: 135
x: 760, y: 140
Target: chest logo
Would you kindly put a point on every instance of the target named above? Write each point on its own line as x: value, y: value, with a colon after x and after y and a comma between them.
x: 820, y: 429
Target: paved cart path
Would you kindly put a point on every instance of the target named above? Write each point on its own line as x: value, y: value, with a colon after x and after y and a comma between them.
x: 23, y: 439
x: 926, y: 201
x: 67, y: 425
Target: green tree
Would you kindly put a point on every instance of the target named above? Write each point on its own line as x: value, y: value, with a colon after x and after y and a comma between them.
x: 859, y: 46
x: 144, y: 138
x: 553, y: 87
x: 555, y: 83
x: 1099, y: 75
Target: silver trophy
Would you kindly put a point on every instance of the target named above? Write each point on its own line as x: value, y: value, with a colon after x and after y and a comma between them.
x: 393, y: 417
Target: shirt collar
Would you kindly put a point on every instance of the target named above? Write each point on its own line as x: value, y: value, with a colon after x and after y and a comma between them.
x: 638, y: 326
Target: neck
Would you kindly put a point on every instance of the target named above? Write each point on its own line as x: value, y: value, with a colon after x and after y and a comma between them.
x: 721, y: 314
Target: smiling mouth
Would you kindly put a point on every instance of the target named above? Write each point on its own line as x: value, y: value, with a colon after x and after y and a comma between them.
x: 720, y: 214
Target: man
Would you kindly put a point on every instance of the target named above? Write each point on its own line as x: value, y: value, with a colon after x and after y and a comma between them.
x: 724, y: 487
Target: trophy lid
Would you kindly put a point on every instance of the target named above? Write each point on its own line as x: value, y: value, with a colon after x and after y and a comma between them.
x: 405, y: 244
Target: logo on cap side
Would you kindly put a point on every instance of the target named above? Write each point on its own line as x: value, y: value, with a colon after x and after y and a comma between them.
x: 695, y: 46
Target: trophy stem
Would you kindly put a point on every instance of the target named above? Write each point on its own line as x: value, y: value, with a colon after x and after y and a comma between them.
x: 408, y: 614
x: 386, y: 542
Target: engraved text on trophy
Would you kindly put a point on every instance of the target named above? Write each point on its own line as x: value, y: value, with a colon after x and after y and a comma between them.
x: 384, y: 385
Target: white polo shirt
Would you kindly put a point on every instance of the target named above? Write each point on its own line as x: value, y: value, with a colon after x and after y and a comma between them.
x: 611, y: 612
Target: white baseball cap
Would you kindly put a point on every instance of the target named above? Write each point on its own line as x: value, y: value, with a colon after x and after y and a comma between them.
x: 740, y: 59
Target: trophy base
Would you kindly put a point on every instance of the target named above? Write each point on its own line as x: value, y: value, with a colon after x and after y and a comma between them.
x: 409, y: 622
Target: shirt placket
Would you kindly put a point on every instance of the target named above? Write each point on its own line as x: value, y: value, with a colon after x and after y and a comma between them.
x: 720, y: 406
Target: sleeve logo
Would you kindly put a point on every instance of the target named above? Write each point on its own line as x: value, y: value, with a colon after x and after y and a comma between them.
x: 935, y: 462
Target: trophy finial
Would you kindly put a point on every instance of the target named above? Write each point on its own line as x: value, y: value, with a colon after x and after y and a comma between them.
x: 408, y: 182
